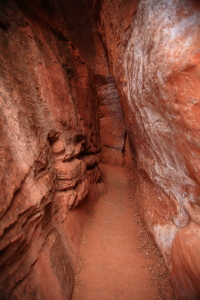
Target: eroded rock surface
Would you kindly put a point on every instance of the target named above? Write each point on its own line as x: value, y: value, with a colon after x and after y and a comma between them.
x: 61, y: 80
x: 81, y: 23
x: 153, y: 49
x: 49, y: 138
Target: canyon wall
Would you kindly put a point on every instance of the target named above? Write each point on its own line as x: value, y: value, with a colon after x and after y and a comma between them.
x: 64, y: 67
x: 50, y: 140
x: 154, y: 53
x: 83, y: 32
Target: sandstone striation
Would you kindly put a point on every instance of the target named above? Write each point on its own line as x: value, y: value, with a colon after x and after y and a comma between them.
x: 88, y: 81
x: 83, y: 32
x: 153, y: 50
x: 49, y: 121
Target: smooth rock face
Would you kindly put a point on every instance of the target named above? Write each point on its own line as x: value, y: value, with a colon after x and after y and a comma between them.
x: 49, y: 121
x: 185, y: 262
x: 153, y: 49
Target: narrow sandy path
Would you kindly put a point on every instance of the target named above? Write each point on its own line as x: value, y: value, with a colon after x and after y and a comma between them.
x: 117, y: 259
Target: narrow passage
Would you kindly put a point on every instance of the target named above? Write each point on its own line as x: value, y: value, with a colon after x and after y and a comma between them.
x: 117, y: 258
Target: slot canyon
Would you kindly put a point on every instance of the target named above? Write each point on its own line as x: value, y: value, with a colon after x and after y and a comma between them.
x: 100, y: 149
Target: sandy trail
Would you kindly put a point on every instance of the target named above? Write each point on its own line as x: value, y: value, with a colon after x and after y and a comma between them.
x: 117, y: 258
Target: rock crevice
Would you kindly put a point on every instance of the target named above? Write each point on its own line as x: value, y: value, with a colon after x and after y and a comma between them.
x: 88, y: 81
x: 154, y: 59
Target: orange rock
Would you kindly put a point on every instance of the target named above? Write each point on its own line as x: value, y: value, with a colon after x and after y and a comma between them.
x: 48, y: 99
x: 186, y: 262
x: 153, y: 50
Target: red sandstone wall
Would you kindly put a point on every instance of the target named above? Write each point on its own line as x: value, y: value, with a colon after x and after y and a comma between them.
x: 154, y: 53
x: 49, y: 124
x: 84, y: 33
x: 50, y: 132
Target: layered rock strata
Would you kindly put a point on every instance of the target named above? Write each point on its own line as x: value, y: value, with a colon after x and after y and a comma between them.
x: 153, y: 49
x: 50, y: 136
x: 60, y: 87
x: 84, y: 33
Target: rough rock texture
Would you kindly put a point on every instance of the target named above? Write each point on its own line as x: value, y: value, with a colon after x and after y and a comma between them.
x: 154, y: 54
x: 112, y: 126
x: 83, y: 32
x: 60, y: 85
x: 50, y: 134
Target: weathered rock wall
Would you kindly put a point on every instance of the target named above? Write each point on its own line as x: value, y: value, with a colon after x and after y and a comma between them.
x: 53, y: 94
x: 84, y: 33
x: 154, y: 54
x: 50, y: 136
